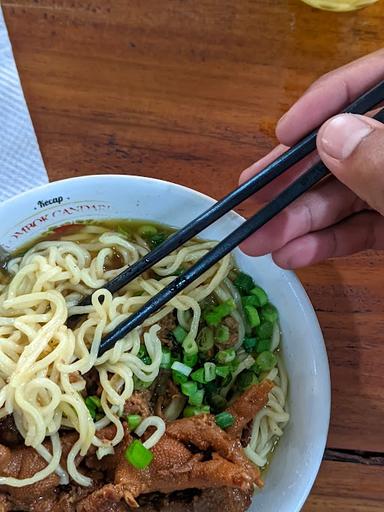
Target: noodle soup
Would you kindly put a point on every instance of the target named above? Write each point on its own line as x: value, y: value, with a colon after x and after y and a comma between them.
x: 183, y: 411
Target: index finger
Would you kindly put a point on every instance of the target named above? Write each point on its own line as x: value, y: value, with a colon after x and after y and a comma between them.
x: 329, y: 95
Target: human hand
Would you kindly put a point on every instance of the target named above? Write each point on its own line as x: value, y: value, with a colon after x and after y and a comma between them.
x: 345, y: 213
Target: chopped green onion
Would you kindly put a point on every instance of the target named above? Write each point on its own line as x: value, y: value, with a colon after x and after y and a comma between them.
x: 223, y: 371
x: 250, y: 300
x: 179, y: 333
x: 262, y: 297
x: 222, y: 333
x: 226, y: 356
x: 269, y: 313
x: 156, y: 239
x: 244, y: 283
x: 138, y: 455
x: 166, y: 358
x: 265, y: 330
x: 263, y: 345
x: 199, y: 376
x: 227, y: 380
x: 190, y: 346
x: 216, y: 314
x: 179, y: 378
x: 205, y: 339
x: 191, y: 410
x: 189, y: 388
x: 95, y: 400
x: 209, y: 371
x: 133, y: 421
x: 143, y: 355
x: 255, y: 368
x: 142, y: 352
x: 181, y: 368
x: 197, y: 398
x: 147, y: 230
x: 252, y: 316
x: 224, y: 419
x: 190, y: 359
x: 266, y: 361
x: 218, y: 403
x: 246, y: 379
x: 92, y: 405
x: 249, y: 344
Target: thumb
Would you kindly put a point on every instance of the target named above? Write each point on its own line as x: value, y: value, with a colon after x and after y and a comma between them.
x: 352, y: 147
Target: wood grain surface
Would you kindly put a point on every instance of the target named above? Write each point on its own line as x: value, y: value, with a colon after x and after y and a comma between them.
x: 190, y: 91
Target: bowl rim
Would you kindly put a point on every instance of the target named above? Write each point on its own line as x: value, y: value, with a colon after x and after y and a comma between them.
x: 300, y: 292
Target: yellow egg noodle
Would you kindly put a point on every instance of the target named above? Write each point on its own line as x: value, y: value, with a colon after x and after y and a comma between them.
x: 42, y: 361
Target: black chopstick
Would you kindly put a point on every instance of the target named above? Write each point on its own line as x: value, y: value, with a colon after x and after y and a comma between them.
x: 296, y: 189
x: 281, y: 164
x: 290, y: 194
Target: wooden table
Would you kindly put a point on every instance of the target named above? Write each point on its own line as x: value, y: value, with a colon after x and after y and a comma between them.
x: 190, y: 91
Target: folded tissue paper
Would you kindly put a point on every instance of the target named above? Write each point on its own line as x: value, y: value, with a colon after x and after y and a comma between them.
x: 21, y: 164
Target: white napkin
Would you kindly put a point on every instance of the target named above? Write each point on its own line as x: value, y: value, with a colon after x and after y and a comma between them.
x: 21, y: 164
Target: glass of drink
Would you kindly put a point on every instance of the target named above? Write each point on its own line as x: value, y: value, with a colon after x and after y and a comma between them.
x: 339, y: 5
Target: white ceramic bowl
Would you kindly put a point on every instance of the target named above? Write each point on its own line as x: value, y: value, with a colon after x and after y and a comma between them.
x: 298, y: 456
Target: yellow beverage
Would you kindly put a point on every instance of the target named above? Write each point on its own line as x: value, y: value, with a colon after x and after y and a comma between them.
x: 339, y: 5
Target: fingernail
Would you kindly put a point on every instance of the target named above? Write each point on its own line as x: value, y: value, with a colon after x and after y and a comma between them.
x: 343, y: 134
